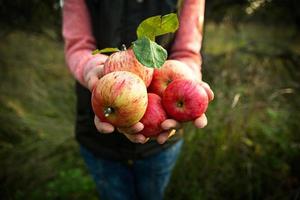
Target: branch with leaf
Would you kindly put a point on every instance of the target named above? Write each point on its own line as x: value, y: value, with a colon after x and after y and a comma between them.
x: 146, y: 50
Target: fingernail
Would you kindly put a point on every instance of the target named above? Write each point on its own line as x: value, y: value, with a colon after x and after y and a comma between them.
x: 142, y: 140
x: 161, y: 141
x: 172, y: 132
x: 146, y: 140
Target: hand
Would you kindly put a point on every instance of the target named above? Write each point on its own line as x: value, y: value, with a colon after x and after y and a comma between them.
x: 170, y: 125
x: 131, y: 133
x: 92, y: 76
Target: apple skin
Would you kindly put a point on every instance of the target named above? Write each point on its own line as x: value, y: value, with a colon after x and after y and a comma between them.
x: 126, y: 61
x: 120, y: 98
x: 153, y: 117
x: 171, y: 70
x: 185, y: 100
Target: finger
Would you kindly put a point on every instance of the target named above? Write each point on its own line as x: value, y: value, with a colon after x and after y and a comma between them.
x: 133, y: 129
x: 169, y: 124
x: 92, y: 82
x: 201, y: 121
x: 163, y: 137
x: 93, y: 76
x: 138, y: 138
x: 103, y: 127
x: 208, y: 91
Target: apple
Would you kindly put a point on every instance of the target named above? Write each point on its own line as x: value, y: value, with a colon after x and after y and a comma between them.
x: 120, y: 98
x: 153, y: 117
x: 125, y: 60
x: 185, y: 100
x: 171, y: 70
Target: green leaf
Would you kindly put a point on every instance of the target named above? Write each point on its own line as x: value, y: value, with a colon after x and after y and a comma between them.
x: 147, y: 28
x: 157, y: 25
x: 169, y: 24
x: 149, y: 53
x: 105, y: 50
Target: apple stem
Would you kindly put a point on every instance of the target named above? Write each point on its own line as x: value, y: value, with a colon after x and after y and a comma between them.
x: 107, y: 111
x: 123, y: 47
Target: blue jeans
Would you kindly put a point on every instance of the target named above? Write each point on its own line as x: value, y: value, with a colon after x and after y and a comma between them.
x: 144, y: 179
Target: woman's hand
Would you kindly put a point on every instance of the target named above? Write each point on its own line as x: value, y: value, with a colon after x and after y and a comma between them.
x: 91, y: 77
x: 170, y: 125
x: 131, y: 132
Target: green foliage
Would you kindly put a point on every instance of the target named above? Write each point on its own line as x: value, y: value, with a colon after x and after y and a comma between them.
x: 36, y: 113
x: 157, y: 25
x: 70, y: 184
x: 146, y: 50
x: 149, y: 53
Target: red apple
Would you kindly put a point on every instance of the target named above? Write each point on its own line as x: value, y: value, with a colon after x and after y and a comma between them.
x: 120, y: 98
x: 126, y: 61
x: 154, y: 116
x: 185, y: 100
x: 171, y: 70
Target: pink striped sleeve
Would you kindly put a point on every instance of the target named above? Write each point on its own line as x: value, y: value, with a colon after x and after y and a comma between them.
x: 188, y: 40
x: 79, y: 41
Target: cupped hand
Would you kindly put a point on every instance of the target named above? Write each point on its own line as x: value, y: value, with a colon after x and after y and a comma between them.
x: 91, y: 77
x: 103, y: 127
x: 170, y: 125
x: 131, y: 132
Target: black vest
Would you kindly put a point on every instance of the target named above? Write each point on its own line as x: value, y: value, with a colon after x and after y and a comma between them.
x: 114, y: 23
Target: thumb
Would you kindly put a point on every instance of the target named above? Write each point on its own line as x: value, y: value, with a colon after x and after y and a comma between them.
x: 93, y: 76
x: 92, y: 82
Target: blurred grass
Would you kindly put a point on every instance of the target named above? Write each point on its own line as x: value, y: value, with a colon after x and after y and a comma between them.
x: 249, y: 150
x: 38, y: 150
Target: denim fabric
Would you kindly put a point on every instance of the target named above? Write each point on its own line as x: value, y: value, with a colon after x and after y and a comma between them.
x: 144, y: 179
